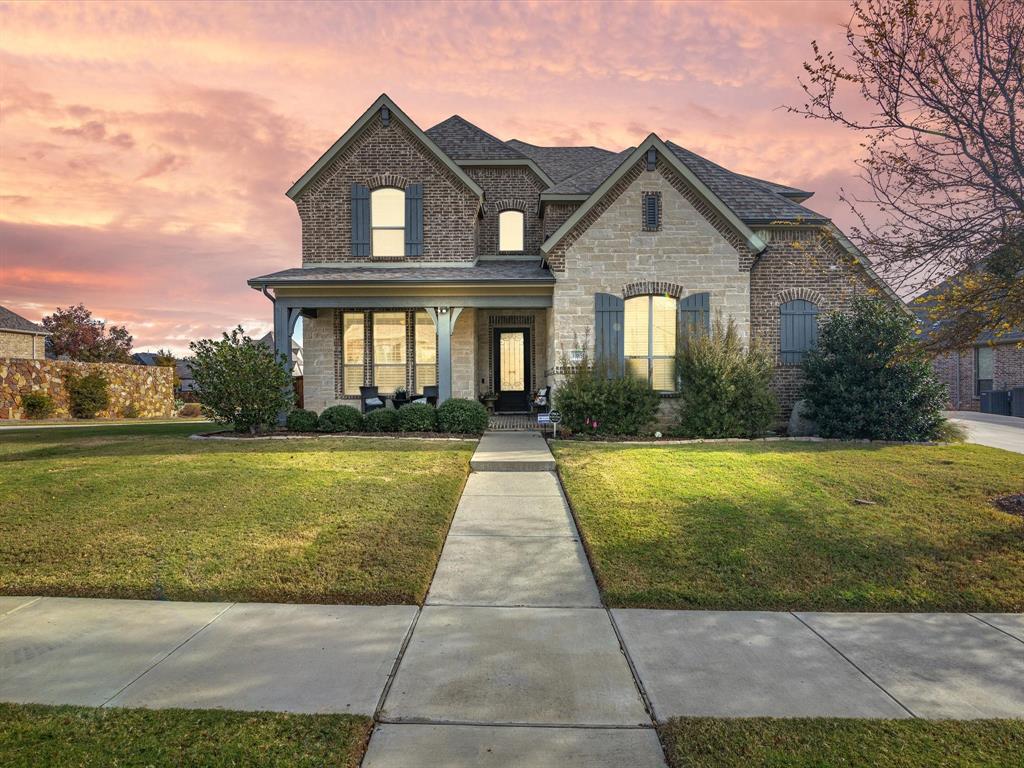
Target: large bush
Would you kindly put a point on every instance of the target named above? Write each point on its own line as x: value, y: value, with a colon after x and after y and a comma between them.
x: 417, y: 417
x: 724, y: 387
x: 462, y: 416
x: 88, y: 395
x: 382, y: 420
x: 594, y: 400
x: 340, y: 418
x: 301, y: 420
x: 869, y: 378
x: 37, y: 405
x: 240, y: 381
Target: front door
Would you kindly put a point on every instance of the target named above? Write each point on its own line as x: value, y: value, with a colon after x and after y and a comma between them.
x: 512, y: 369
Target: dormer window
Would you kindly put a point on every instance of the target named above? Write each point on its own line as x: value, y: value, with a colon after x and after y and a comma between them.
x: 387, y: 222
x: 510, y: 231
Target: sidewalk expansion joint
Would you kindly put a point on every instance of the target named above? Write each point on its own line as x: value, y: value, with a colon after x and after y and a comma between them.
x: 515, y: 724
x: 853, y: 664
x: 516, y: 606
x: 993, y: 626
x: 21, y: 607
x: 398, y: 661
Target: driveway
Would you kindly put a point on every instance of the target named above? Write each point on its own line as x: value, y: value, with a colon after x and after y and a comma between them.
x: 1006, y: 432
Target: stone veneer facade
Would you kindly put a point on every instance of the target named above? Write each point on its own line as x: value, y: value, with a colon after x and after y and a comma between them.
x: 149, y: 388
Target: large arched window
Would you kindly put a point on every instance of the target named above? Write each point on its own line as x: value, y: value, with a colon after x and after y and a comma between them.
x: 649, y: 328
x: 798, y: 330
x: 510, y: 231
x: 387, y: 221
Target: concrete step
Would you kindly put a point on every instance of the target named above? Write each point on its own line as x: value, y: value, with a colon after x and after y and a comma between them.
x: 512, y: 452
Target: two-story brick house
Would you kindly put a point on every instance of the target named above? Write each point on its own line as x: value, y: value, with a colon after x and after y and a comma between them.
x: 451, y: 258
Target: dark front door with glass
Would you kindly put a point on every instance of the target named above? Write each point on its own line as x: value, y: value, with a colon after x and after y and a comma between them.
x: 512, y: 369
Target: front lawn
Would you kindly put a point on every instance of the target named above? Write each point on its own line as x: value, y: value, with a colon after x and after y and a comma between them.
x: 778, y: 526
x: 141, y: 511
x: 816, y: 743
x: 71, y: 737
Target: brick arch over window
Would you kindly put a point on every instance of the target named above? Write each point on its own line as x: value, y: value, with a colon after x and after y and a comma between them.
x: 380, y: 180
x: 806, y: 294
x: 652, y: 288
x: 509, y: 204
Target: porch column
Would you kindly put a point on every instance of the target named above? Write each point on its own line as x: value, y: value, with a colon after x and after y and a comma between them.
x: 285, y: 318
x: 444, y: 321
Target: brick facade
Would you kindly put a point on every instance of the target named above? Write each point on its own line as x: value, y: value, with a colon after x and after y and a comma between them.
x: 555, y: 215
x: 26, y: 345
x: 799, y: 263
x: 514, y: 188
x: 957, y: 371
x: 387, y: 156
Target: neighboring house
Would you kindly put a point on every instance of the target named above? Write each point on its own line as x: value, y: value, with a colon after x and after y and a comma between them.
x: 20, y: 337
x: 186, y: 384
x: 991, y: 363
x: 296, y: 358
x: 449, y: 257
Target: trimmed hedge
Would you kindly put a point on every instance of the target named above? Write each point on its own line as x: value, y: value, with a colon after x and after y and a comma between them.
x: 88, y: 395
x: 382, y: 420
x: 37, y: 405
x: 417, y: 417
x: 301, y: 420
x: 461, y: 416
x: 340, y: 418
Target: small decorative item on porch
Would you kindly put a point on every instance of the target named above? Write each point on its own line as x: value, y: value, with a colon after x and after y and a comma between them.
x: 488, y: 398
x: 401, y: 397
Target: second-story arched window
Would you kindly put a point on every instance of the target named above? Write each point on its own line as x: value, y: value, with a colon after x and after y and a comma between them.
x: 387, y: 221
x: 510, y: 231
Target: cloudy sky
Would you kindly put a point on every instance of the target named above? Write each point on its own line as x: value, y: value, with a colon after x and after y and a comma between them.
x: 145, y: 148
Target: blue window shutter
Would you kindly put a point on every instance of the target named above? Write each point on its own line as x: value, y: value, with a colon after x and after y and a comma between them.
x: 414, y: 220
x: 695, y: 314
x: 360, y: 220
x: 798, y: 330
x: 609, y: 339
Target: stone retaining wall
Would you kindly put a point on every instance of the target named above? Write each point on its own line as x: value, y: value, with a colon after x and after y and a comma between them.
x: 150, y: 389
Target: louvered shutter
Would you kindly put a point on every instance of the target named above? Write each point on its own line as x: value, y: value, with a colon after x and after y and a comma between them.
x: 609, y: 339
x: 651, y: 212
x: 695, y: 314
x: 798, y: 330
x: 414, y: 220
x: 360, y: 220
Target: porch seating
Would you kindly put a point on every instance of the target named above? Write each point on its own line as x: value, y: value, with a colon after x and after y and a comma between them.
x: 540, y: 402
x: 370, y: 400
x: 429, y: 396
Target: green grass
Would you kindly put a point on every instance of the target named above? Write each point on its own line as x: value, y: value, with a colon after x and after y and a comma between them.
x: 776, y: 526
x: 144, y: 512
x: 825, y: 743
x: 75, y: 737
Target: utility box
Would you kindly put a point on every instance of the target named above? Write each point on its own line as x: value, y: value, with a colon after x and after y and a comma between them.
x: 996, y: 401
x: 1017, y: 401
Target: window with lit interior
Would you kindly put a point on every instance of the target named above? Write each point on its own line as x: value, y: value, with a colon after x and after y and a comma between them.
x: 387, y: 222
x: 650, y: 340
x: 510, y: 231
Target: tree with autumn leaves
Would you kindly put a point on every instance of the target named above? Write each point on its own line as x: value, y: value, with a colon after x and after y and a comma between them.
x: 76, y: 335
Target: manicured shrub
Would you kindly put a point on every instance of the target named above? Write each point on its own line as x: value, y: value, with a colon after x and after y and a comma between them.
x: 88, y: 395
x: 724, y: 387
x: 417, y: 417
x: 190, y: 410
x: 340, y: 418
x: 461, y: 416
x: 240, y: 381
x: 37, y: 405
x: 301, y: 420
x: 869, y: 378
x: 382, y: 420
x: 131, y: 411
x: 593, y: 399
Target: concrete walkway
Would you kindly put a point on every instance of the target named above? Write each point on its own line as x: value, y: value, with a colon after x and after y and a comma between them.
x: 1006, y: 432
x: 512, y: 661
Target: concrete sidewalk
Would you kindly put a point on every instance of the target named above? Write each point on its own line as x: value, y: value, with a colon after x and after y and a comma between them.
x: 1006, y: 432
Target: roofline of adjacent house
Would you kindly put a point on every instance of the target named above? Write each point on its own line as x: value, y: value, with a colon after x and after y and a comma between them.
x: 653, y: 141
x: 866, y: 264
x: 28, y: 333
x: 524, y: 161
x: 382, y: 101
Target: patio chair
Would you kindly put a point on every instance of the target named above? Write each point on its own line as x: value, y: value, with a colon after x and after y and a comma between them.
x: 370, y: 400
x: 429, y: 396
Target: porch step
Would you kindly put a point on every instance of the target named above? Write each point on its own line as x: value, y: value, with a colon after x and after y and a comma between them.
x: 512, y: 452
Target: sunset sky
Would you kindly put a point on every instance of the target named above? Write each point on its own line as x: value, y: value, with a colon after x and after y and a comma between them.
x: 145, y: 148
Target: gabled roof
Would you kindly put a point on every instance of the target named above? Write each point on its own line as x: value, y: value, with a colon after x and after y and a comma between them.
x: 12, y: 321
x: 652, y: 141
x: 794, y: 194
x: 587, y: 180
x: 461, y: 140
x: 561, y: 162
x: 396, y: 114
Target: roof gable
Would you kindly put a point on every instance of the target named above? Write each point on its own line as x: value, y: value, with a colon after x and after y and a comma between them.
x: 12, y: 321
x: 395, y: 114
x: 562, y: 162
x: 461, y: 140
x: 629, y: 160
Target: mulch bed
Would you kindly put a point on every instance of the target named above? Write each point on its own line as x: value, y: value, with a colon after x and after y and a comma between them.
x: 1012, y: 504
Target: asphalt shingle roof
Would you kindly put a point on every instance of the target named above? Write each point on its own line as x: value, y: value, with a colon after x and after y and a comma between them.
x: 461, y: 140
x: 12, y: 321
x: 562, y: 162
x: 590, y: 178
x: 482, y: 272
